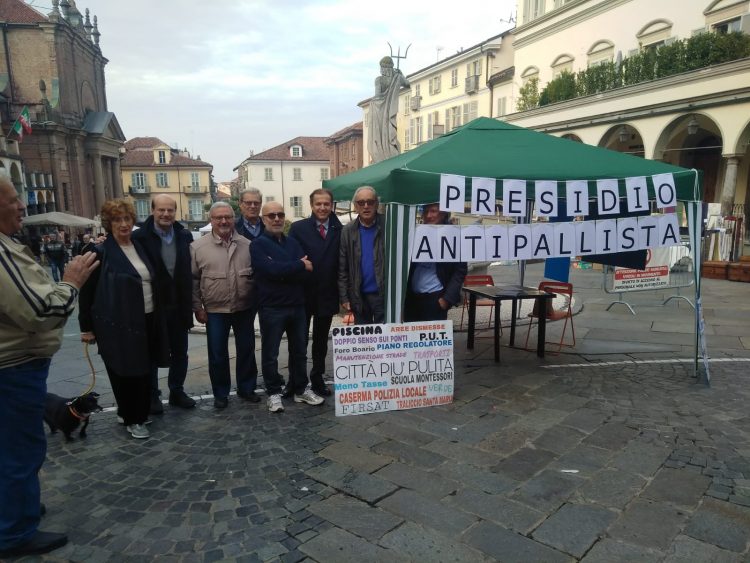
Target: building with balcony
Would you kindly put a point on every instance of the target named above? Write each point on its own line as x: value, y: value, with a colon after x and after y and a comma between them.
x: 151, y: 167
x: 346, y: 150
x: 665, y: 80
x: 451, y: 92
x: 288, y: 173
x: 53, y: 65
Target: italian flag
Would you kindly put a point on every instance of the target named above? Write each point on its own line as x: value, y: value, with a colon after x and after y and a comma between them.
x: 23, y: 123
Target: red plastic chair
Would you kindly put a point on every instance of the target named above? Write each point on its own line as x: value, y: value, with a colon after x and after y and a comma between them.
x: 552, y: 314
x: 477, y: 280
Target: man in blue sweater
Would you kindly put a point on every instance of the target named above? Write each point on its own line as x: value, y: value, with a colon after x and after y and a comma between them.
x: 281, y: 271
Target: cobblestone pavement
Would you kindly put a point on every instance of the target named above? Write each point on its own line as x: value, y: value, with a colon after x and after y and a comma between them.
x: 593, y: 457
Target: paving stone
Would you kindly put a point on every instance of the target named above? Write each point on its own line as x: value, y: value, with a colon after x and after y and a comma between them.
x: 356, y: 457
x: 612, y: 488
x: 548, y: 490
x: 477, y: 430
x: 525, y: 463
x: 559, y: 439
x: 419, y: 544
x: 481, y: 479
x: 355, y: 516
x: 402, y: 434
x: 686, y: 548
x: 682, y: 488
x: 574, y: 528
x: 640, y: 458
x: 608, y: 551
x: 369, y: 488
x: 500, y: 509
x: 586, y: 420
x: 409, y: 454
x: 723, y: 524
x: 337, y: 545
x: 584, y: 458
x: 463, y: 453
x: 426, y: 512
x: 648, y: 524
x: 508, y: 441
x: 611, y: 436
x: 510, y: 547
x: 427, y: 482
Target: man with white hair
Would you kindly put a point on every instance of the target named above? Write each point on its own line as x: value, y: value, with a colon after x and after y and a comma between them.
x: 222, y: 292
x: 362, y: 260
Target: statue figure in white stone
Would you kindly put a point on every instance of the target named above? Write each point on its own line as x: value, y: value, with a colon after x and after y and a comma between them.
x: 383, y: 142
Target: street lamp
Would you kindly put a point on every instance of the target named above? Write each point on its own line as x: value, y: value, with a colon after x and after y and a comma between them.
x: 692, y: 126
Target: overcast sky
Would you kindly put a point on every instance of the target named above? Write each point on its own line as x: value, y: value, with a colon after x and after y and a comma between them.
x: 223, y: 77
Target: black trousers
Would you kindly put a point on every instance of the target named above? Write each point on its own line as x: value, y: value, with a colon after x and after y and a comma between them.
x: 372, y: 310
x: 321, y: 325
x: 133, y: 391
x: 423, y: 307
x: 133, y: 395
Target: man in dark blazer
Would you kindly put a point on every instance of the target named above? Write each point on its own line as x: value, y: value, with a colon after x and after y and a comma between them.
x: 433, y: 287
x: 319, y: 235
x: 167, y: 244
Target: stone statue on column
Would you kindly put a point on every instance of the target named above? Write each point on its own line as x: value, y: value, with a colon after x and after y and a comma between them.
x: 383, y: 141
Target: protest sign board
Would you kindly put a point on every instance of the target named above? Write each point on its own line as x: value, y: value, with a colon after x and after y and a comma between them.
x: 379, y: 368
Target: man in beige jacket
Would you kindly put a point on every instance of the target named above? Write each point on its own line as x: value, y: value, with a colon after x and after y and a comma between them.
x: 222, y: 290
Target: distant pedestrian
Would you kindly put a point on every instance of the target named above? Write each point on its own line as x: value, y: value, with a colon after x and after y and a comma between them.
x: 167, y: 244
x: 282, y: 270
x: 319, y: 236
x: 222, y: 293
x: 119, y: 310
x: 433, y: 287
x: 57, y: 255
x: 33, y: 311
x: 362, y: 260
x: 88, y: 244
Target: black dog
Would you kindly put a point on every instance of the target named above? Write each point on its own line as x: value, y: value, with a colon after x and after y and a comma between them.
x: 67, y: 414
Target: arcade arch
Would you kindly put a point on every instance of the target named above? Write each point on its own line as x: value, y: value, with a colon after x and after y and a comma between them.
x: 624, y: 138
x: 694, y: 140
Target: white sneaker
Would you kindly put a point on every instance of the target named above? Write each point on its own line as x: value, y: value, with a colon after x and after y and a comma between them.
x: 274, y: 403
x: 138, y: 430
x: 309, y: 397
x: 121, y: 420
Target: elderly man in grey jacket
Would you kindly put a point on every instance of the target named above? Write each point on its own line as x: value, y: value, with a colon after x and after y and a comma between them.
x: 362, y: 260
x: 222, y: 298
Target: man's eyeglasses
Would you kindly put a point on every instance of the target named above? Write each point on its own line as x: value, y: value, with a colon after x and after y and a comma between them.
x: 366, y: 202
x: 251, y: 203
x: 220, y: 218
x: 274, y: 216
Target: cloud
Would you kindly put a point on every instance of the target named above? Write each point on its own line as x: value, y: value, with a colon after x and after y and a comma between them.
x: 269, y: 70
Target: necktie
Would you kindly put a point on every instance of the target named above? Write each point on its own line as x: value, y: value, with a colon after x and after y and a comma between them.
x: 322, y: 230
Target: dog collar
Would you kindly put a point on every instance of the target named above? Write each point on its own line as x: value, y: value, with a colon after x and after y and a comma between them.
x: 76, y: 414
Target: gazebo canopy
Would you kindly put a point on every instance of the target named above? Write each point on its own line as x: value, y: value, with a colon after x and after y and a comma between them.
x: 489, y: 148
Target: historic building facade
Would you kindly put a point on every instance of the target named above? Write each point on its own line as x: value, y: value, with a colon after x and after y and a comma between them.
x: 288, y: 173
x: 53, y: 65
x: 663, y: 80
x: 693, y: 115
x: 151, y: 167
x: 346, y: 150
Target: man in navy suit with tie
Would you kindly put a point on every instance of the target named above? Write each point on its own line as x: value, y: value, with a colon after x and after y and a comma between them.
x: 319, y: 236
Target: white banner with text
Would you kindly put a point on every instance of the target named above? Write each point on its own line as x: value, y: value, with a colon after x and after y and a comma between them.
x: 483, y: 243
x: 378, y: 368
